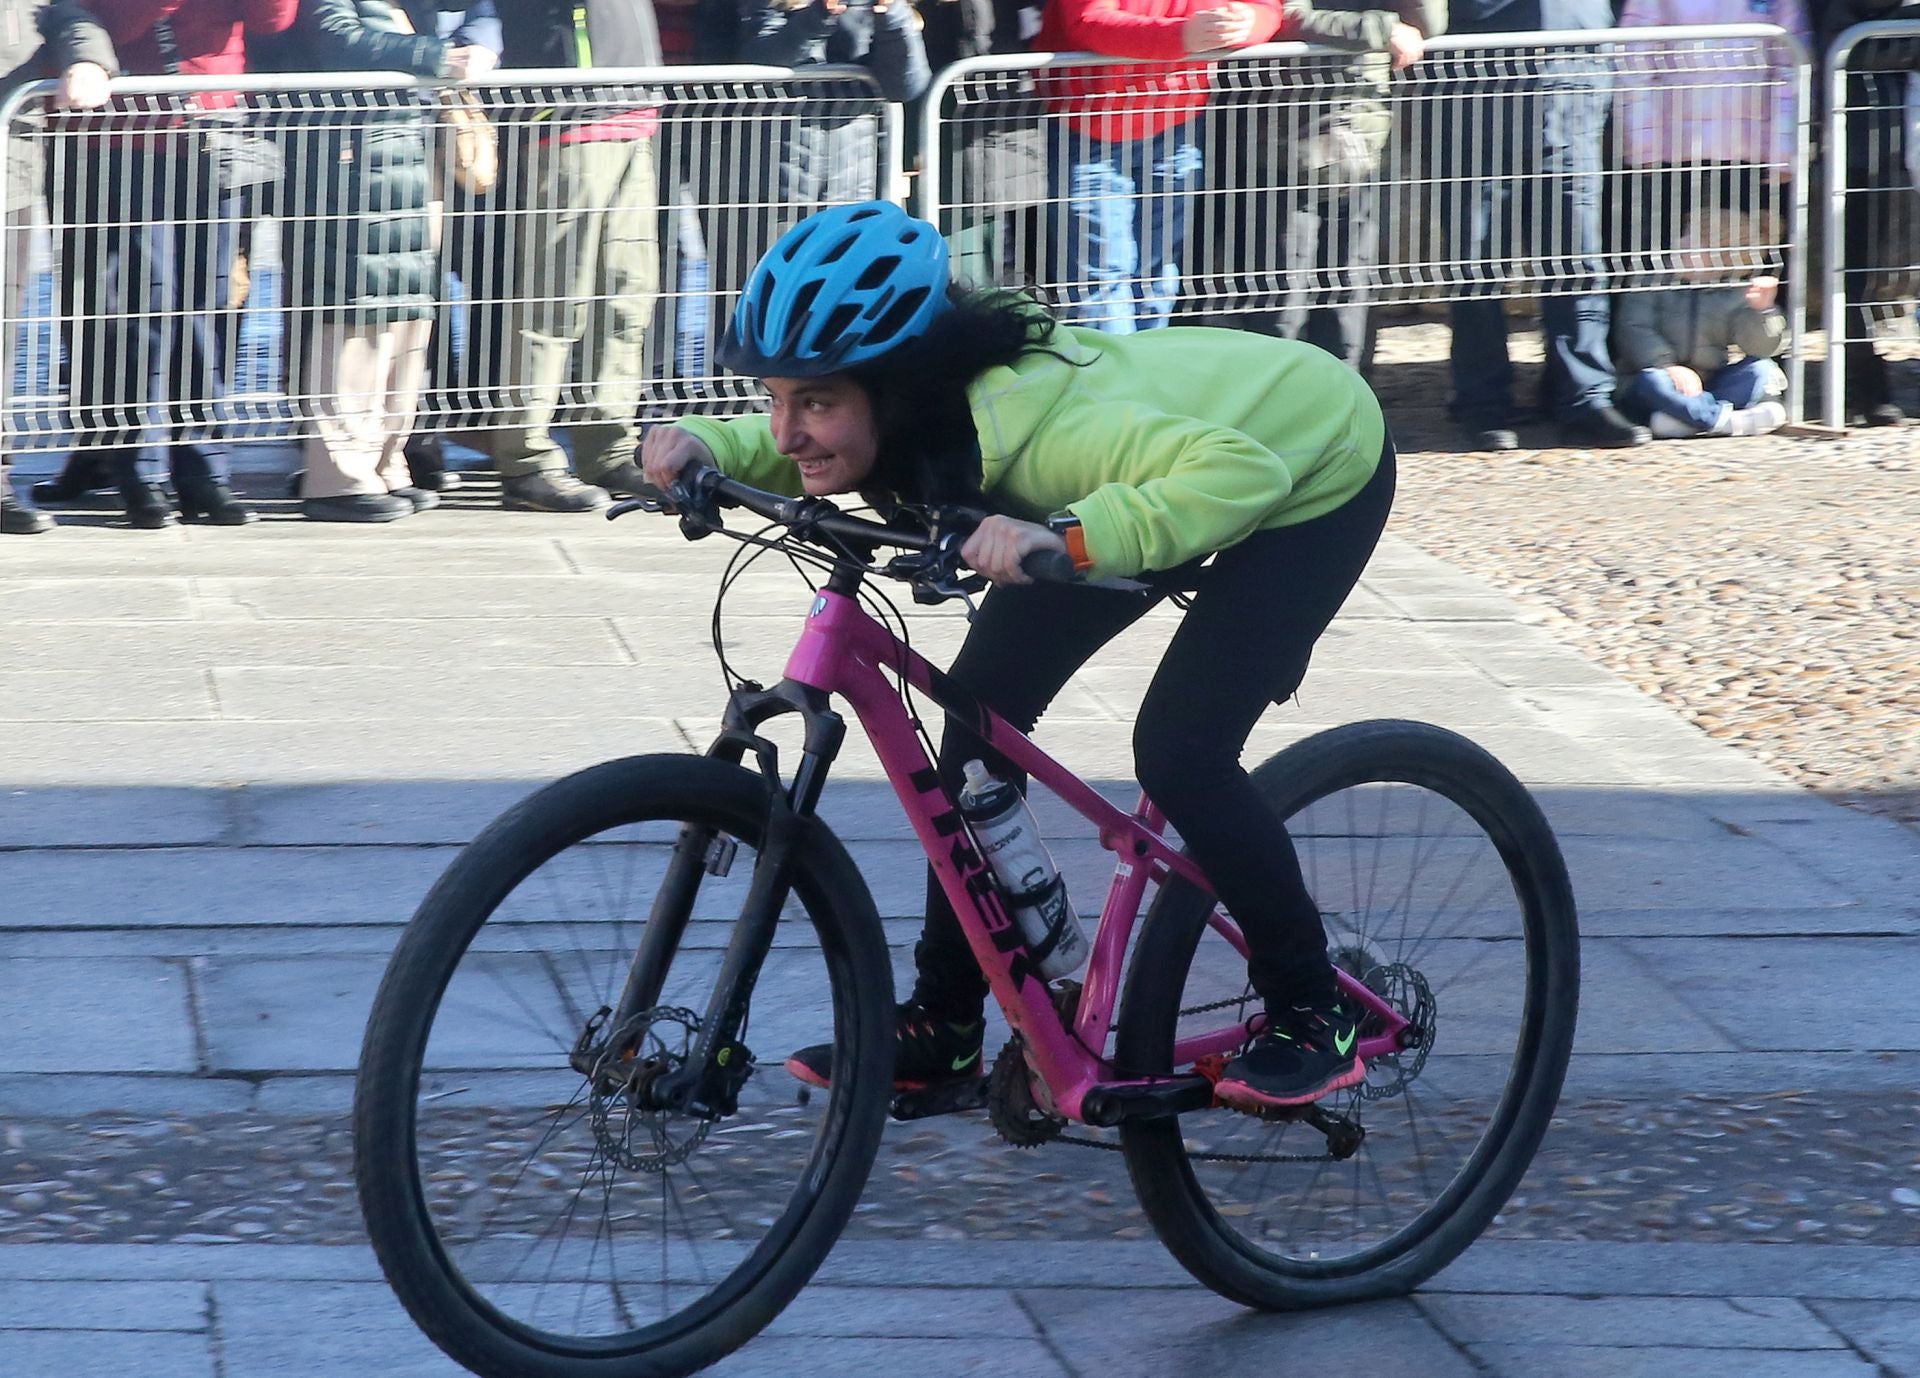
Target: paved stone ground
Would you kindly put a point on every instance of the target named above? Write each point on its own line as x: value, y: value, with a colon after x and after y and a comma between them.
x: 1764, y: 588
x: 235, y: 760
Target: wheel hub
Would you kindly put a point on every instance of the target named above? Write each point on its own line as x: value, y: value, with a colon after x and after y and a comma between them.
x: 1406, y: 990
x: 621, y: 1070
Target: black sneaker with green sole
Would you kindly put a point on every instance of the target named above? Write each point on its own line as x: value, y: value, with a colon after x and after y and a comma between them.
x: 1305, y: 1052
x: 927, y: 1051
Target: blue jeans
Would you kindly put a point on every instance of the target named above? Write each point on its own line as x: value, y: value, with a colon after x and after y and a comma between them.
x: 1521, y: 176
x: 1742, y: 384
x: 146, y: 244
x: 1119, y: 213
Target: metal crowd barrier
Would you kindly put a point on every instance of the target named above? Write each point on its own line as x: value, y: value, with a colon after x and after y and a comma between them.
x: 1309, y: 182
x: 1501, y: 167
x: 1872, y: 224
x: 170, y: 261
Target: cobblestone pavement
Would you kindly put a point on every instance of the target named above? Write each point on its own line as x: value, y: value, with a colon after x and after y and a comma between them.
x: 1763, y: 587
x: 1782, y: 1167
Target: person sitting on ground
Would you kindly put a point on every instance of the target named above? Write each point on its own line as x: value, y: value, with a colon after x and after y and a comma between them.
x: 1676, y: 348
x: 1256, y: 472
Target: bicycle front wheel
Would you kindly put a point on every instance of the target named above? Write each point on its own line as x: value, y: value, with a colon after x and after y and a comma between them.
x: 1444, y: 892
x: 532, y: 1215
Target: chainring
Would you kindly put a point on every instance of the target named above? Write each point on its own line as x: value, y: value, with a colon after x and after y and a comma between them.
x: 1016, y: 1116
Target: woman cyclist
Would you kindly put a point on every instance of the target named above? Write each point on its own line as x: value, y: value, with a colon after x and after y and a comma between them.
x: 1255, y: 473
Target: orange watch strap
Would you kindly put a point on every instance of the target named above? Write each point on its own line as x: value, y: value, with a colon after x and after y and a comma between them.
x: 1076, y: 538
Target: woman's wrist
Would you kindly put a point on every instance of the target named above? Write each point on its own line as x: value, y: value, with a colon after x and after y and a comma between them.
x: 1074, y: 536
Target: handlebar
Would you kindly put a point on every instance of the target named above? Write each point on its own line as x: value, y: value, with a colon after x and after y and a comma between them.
x: 1049, y: 567
x: 701, y: 489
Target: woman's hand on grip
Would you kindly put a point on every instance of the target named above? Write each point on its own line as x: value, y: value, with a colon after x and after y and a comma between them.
x: 666, y: 450
x: 998, y: 545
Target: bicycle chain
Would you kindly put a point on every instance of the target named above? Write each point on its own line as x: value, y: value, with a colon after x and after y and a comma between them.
x: 1079, y: 1142
x: 1106, y: 1147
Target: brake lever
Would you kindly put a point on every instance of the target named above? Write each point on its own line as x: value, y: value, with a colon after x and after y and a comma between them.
x: 938, y: 590
x: 639, y: 504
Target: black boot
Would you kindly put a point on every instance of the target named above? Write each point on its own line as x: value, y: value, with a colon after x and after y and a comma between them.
x: 210, y: 500
x: 82, y: 474
x: 357, y: 507
x: 146, y: 505
x: 427, y: 462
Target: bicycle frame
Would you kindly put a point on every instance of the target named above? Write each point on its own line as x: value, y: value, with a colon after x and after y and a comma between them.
x: 843, y: 650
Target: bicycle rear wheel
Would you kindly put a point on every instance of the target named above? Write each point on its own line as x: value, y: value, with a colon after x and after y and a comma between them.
x: 1443, y: 891
x: 530, y: 1215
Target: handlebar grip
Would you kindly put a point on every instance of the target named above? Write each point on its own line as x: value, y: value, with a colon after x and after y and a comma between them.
x: 1049, y: 567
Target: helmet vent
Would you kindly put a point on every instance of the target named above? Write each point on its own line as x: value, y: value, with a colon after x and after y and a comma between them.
x: 877, y: 273
x: 839, y: 250
x: 796, y: 240
x: 898, y: 314
x: 803, y: 301
x: 838, y: 320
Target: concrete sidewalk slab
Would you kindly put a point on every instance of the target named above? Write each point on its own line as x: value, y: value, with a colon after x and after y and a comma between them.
x: 82, y: 1015
x: 475, y: 644
x: 108, y: 1354
x: 141, y: 1306
x: 1608, y: 1361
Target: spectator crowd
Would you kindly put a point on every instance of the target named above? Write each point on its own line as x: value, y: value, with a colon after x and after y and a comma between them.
x: 574, y: 220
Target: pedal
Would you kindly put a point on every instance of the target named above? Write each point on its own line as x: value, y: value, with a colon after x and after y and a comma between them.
x: 948, y: 1099
x: 1344, y: 1134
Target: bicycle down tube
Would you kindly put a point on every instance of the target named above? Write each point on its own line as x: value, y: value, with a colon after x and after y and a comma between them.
x: 844, y: 651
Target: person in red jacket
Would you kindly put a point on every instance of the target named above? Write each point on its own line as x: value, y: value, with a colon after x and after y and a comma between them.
x: 147, y: 224
x: 1123, y: 170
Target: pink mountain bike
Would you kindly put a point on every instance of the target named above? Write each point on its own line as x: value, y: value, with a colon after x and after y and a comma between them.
x: 577, y: 1150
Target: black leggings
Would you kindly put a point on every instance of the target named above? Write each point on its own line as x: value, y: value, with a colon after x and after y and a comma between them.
x: 1244, y: 644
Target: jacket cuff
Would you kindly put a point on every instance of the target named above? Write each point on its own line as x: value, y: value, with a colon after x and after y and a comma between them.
x: 1108, y: 545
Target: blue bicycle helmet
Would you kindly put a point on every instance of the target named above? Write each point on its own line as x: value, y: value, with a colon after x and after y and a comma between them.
x: 845, y: 286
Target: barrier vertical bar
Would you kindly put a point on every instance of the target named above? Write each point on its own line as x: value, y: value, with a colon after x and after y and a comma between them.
x: 1797, y: 234
x: 1836, y: 257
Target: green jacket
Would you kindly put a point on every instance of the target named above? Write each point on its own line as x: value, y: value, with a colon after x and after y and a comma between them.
x: 1168, y: 444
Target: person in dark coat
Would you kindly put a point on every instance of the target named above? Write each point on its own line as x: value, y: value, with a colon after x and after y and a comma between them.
x: 1325, y: 145
x: 363, y: 267
x: 834, y: 159
x: 992, y: 160
x: 78, y: 51
x: 451, y: 367
x: 148, y: 225
x: 1882, y: 217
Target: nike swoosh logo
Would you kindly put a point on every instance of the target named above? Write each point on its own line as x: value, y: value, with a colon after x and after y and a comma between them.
x: 960, y: 1064
x: 1343, y: 1046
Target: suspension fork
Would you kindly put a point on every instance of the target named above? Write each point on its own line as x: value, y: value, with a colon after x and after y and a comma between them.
x: 708, y: 1083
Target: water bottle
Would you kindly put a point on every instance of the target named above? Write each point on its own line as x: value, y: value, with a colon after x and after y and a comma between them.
x: 690, y: 333
x: 1035, y: 890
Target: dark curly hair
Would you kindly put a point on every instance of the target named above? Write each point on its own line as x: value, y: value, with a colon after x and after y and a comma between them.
x: 929, y: 451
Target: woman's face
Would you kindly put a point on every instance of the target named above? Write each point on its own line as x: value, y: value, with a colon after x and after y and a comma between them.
x: 825, y: 425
